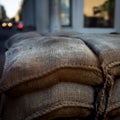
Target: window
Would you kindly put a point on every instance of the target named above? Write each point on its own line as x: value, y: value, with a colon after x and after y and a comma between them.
x: 99, y: 13
x: 65, y: 12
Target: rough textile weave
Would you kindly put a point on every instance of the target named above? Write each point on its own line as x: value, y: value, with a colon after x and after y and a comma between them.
x: 46, y: 61
x: 2, y: 61
x: 20, y: 37
x: 61, y: 100
x: 114, y: 104
x: 107, y: 48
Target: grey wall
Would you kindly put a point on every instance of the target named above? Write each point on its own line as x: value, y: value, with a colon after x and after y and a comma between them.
x: 28, y: 14
x: 36, y: 13
x: 42, y: 15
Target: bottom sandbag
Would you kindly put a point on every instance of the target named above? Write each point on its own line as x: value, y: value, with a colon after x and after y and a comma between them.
x: 114, y: 118
x: 114, y: 106
x: 61, y: 100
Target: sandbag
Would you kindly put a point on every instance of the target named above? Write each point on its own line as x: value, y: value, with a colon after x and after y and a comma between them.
x: 46, y: 61
x: 114, y: 118
x: 61, y: 100
x: 107, y: 48
x: 2, y: 62
x: 20, y: 37
x: 114, y: 104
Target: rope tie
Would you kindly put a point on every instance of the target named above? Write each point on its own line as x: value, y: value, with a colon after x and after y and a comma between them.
x: 109, y: 88
x: 103, y: 98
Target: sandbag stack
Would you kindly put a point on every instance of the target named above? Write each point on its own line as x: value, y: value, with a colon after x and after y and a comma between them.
x: 61, y: 76
x: 107, y: 48
x: 49, y: 76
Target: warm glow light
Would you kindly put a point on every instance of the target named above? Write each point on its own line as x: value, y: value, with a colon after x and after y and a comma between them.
x: 10, y: 24
x: 4, y: 24
x: 88, y: 6
x: 20, y: 26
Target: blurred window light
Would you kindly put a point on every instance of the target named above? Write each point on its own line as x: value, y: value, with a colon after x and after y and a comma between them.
x: 99, y: 13
x: 65, y: 12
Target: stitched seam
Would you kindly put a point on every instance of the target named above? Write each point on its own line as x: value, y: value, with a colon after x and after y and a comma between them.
x: 114, y: 106
x: 3, y: 88
x: 58, y: 106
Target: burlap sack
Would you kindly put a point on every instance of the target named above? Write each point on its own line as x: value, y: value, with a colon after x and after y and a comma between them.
x: 114, y: 104
x: 107, y: 48
x: 63, y: 34
x: 114, y: 118
x: 61, y: 100
x: 47, y: 61
x: 19, y: 38
x: 2, y: 61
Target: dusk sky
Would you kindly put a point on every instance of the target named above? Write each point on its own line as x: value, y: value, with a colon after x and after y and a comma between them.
x: 11, y: 6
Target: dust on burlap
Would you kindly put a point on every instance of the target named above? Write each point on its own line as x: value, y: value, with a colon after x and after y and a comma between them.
x: 38, y: 63
x: 107, y: 48
x: 20, y: 37
x: 114, y: 104
x: 62, y: 100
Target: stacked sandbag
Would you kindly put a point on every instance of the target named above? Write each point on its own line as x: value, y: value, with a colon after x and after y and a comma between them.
x: 60, y: 100
x: 49, y: 60
x: 2, y: 61
x: 107, y: 48
x: 47, y: 77
x: 113, y: 110
x: 19, y: 38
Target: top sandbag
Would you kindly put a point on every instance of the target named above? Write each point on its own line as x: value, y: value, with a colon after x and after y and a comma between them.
x: 44, y: 61
x: 107, y: 48
x: 20, y: 37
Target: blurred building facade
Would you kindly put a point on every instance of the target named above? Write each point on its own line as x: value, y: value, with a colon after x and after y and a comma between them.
x: 72, y: 15
x: 2, y: 13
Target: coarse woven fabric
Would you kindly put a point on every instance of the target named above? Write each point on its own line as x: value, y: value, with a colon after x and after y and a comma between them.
x: 19, y: 38
x: 107, y: 48
x: 46, y: 61
x: 114, y: 118
x: 61, y: 100
x: 2, y: 61
x: 114, y: 104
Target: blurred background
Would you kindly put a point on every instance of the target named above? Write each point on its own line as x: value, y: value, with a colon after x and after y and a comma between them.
x: 44, y: 16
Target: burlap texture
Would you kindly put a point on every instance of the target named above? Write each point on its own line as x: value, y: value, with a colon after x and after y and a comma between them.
x: 20, y: 37
x: 61, y: 100
x: 107, y: 48
x: 114, y: 104
x: 2, y: 61
x: 46, y: 61
x: 114, y: 118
